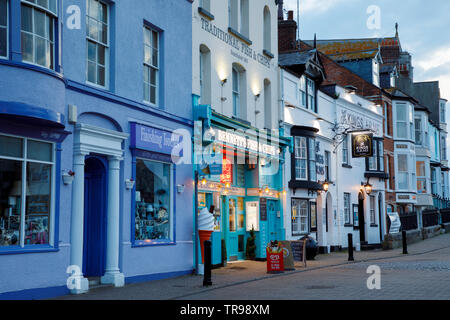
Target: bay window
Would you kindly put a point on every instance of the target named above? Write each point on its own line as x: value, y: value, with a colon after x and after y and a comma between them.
x: 151, y: 65
x: 299, y: 216
x: 421, y: 177
x: 38, y: 32
x: 433, y: 181
x: 3, y: 28
x: 97, y: 36
x: 418, y: 131
x: 402, y: 174
x: 402, y: 120
x: 376, y: 162
x: 305, y: 159
x: 153, y: 212
x: 26, y: 192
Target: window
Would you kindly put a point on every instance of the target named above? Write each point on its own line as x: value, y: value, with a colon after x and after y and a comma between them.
x: 313, y: 210
x: 312, y: 159
x: 311, y: 95
x: 205, y: 4
x: 301, y: 158
x: 236, y: 93
x: 238, y: 15
x: 388, y: 171
x: 402, y: 178
x: 387, y: 120
x: 3, y: 28
x: 205, y: 75
x: 376, y: 163
x: 418, y: 129
x: 153, y: 215
x: 345, y: 150
x: 303, y: 92
x: 97, y: 35
x: 244, y: 19
x: 267, y: 104
x: 267, y: 30
x: 347, y: 208
x: 38, y: 32
x: 327, y: 166
x: 26, y: 202
x: 433, y: 181
x: 402, y: 121
x: 421, y: 177
x: 232, y: 215
x: 305, y: 159
x: 372, y: 210
x: 442, y: 112
x: 443, y: 148
x: 299, y: 216
x: 151, y: 65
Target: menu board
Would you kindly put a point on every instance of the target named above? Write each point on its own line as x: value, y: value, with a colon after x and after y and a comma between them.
x: 299, y: 251
x: 263, y: 209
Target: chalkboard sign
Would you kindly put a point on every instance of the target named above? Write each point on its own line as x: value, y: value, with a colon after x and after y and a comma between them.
x: 299, y: 250
x: 263, y: 209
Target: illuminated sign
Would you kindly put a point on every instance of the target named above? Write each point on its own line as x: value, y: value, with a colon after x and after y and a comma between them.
x: 362, y: 145
x: 240, y: 141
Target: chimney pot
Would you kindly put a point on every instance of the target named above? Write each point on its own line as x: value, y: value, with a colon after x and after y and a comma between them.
x: 290, y: 15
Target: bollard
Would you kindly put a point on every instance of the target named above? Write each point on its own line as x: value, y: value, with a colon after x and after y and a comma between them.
x: 350, y: 247
x: 405, y: 245
x: 207, y: 275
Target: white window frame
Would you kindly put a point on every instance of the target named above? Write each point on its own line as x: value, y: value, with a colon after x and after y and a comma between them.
x: 236, y: 86
x: 24, y: 160
x: 299, y: 158
x: 347, y: 215
x: 401, y: 121
x: 345, y: 151
x: 311, y: 97
x: 418, y: 131
x: 48, y: 13
x: 303, y: 97
x: 98, y: 43
x: 421, y: 178
x: 406, y: 172
x: 373, y: 219
x: 6, y: 31
x: 151, y: 66
x: 297, y: 204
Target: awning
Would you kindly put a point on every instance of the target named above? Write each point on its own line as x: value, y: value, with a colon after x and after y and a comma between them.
x: 29, y: 114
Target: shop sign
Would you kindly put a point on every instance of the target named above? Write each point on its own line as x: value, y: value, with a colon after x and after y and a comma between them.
x: 356, y: 121
x: 288, y: 257
x: 362, y: 145
x: 239, y: 141
x: 395, y: 222
x: 152, y: 139
x: 252, y: 219
x: 215, y: 169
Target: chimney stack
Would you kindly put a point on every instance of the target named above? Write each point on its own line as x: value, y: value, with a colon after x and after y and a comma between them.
x: 287, y: 34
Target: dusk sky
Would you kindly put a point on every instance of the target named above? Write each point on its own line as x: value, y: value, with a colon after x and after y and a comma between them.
x: 424, y: 29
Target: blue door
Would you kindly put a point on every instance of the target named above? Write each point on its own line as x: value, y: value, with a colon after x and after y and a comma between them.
x: 272, y: 213
x: 232, y: 235
x: 94, y: 246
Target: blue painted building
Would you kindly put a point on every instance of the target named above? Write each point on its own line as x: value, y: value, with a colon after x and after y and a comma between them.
x: 95, y: 101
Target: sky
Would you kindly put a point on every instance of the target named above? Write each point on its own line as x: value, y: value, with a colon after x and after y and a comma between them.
x: 424, y: 29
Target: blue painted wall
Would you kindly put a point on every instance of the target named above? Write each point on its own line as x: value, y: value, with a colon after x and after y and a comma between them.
x: 111, y: 109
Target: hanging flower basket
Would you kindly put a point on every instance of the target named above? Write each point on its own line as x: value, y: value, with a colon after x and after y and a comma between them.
x: 129, y: 183
x: 68, y: 177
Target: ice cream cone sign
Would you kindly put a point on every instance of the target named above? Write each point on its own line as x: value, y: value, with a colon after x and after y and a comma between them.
x: 205, y: 228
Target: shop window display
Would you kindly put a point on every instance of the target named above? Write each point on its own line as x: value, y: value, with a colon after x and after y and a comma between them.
x: 25, y: 191
x: 153, y: 202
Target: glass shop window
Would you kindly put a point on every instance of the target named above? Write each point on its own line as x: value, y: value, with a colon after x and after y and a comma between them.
x: 26, y: 173
x: 3, y: 28
x: 153, y: 214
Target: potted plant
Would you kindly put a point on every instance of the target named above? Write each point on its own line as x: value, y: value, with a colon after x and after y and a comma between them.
x: 250, y: 250
x: 129, y: 183
x: 68, y: 177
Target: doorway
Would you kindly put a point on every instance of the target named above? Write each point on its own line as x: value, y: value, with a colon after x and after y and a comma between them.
x: 362, y: 223
x: 94, y: 239
x: 272, y: 213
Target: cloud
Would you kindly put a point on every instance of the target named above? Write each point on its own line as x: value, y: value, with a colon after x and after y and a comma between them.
x: 434, y: 59
x: 307, y: 6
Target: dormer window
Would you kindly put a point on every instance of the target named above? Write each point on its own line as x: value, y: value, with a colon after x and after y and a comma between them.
x: 308, y: 94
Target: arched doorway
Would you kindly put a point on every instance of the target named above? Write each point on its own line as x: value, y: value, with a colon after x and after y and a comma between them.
x: 361, y: 218
x: 94, y: 239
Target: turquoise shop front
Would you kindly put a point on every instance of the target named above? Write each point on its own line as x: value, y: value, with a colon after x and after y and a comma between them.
x: 240, y: 175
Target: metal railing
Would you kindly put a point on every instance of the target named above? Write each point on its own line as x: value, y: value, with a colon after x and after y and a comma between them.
x: 430, y: 218
x: 445, y: 216
x: 409, y: 221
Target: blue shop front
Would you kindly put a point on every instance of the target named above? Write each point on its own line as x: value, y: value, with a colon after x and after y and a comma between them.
x: 240, y: 178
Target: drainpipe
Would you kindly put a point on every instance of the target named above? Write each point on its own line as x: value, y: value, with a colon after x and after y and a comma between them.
x: 196, y: 221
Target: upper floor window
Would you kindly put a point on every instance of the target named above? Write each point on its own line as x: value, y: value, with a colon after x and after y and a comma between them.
x: 443, y: 148
x: 376, y: 163
x: 305, y: 159
x: 267, y: 30
x: 345, y: 158
x: 421, y: 177
x: 418, y: 129
x: 97, y: 35
x: 205, y: 4
x: 433, y: 181
x: 327, y: 166
x: 238, y: 13
x: 3, y: 28
x: 236, y: 93
x: 442, y: 112
x: 387, y: 120
x: 303, y: 91
x: 308, y: 93
x: 205, y: 75
x: 151, y: 65
x: 404, y: 121
x: 38, y: 32
x: 267, y: 104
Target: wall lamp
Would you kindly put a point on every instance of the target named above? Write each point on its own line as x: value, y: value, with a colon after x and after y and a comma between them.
x: 223, y: 81
x: 325, y: 186
x: 367, y: 187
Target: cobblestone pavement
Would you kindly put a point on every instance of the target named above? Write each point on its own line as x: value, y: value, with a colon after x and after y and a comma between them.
x: 423, y: 274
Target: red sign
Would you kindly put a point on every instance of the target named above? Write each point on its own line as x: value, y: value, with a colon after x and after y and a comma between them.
x: 275, y: 262
x: 227, y: 172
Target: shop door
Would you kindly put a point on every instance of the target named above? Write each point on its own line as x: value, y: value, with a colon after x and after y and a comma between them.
x: 362, y: 223
x: 272, y: 213
x: 241, y: 228
x: 94, y: 243
x: 231, y: 225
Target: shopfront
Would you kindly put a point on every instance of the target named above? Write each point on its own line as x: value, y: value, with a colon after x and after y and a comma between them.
x: 240, y: 175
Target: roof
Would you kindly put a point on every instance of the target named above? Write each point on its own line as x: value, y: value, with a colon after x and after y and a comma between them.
x: 295, y: 58
x: 387, y: 68
x: 396, y: 93
x: 353, y: 49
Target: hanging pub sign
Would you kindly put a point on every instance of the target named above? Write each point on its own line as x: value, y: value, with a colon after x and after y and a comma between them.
x: 362, y: 145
